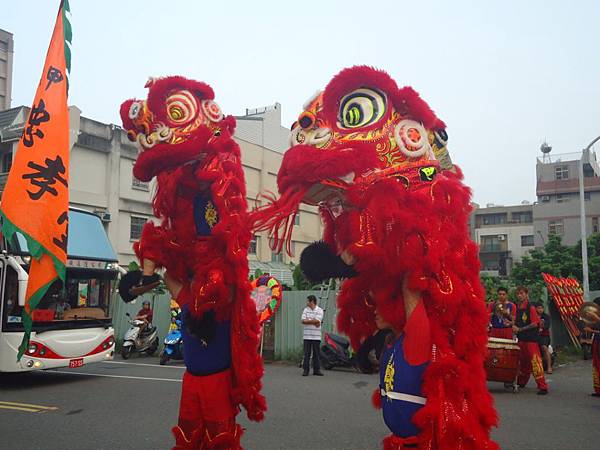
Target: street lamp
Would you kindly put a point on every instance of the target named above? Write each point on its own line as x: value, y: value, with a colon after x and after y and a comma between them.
x: 584, y: 255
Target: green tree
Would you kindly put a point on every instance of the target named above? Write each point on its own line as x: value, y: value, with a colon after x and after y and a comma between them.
x: 558, y: 260
x: 491, y: 285
x: 300, y: 281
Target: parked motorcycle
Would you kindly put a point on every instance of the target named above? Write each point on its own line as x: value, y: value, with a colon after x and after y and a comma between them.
x: 173, y: 346
x: 135, y: 340
x: 335, y: 352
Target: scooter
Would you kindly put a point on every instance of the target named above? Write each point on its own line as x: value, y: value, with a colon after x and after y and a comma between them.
x: 335, y: 352
x: 143, y: 342
x: 173, y: 346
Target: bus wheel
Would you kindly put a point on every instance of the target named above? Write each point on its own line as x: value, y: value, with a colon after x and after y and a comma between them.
x: 126, y: 351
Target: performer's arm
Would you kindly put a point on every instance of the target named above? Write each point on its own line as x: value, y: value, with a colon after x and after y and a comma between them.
x: 411, y: 298
x: 149, y: 249
x: 417, y: 343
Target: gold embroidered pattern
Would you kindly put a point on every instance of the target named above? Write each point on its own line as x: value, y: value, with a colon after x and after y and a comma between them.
x: 210, y: 214
x: 388, y: 378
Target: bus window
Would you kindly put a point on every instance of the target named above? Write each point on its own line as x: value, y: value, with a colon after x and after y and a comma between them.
x: 84, y: 300
x: 11, y: 311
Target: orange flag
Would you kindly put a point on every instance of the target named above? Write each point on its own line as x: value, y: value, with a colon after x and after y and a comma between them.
x: 35, y: 201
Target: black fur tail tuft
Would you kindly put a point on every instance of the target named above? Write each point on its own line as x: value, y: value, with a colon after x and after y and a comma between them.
x: 319, y: 263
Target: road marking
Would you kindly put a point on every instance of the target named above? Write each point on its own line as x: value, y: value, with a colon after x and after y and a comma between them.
x: 20, y: 409
x: 144, y: 364
x: 113, y: 376
x: 26, y: 407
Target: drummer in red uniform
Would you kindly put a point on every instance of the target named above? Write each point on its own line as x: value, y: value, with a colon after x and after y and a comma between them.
x: 526, y: 327
x: 502, y: 316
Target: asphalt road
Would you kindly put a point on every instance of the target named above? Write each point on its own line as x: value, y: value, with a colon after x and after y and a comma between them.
x: 133, y: 404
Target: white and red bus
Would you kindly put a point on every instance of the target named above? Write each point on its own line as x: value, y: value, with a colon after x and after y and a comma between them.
x: 72, y: 325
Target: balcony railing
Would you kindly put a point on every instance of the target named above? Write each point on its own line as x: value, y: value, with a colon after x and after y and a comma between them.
x: 493, y: 249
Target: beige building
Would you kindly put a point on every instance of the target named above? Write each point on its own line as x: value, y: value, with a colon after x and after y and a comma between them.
x: 101, y: 163
x: 504, y: 235
x: 6, y: 67
x: 557, y: 210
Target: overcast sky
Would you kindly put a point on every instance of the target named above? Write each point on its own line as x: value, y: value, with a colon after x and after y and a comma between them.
x: 503, y: 75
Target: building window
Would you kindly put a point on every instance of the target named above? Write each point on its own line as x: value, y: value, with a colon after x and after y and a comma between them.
x: 561, y: 172
x: 562, y: 198
x: 490, y: 243
x: 595, y: 228
x: 6, y: 162
x: 137, y: 223
x: 297, y: 219
x: 277, y: 257
x: 587, y: 196
x: 140, y: 185
x: 556, y: 227
x: 527, y: 240
x: 522, y: 217
x: 494, y: 219
x: 93, y: 142
x: 253, y: 245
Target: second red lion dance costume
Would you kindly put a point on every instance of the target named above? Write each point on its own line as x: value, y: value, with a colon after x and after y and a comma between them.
x: 373, y: 157
x: 202, y: 242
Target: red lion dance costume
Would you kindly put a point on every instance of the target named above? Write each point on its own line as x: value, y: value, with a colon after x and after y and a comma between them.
x: 202, y: 243
x: 373, y: 157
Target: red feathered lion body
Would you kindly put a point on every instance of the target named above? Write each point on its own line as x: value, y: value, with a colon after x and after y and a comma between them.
x: 373, y: 157
x: 202, y: 239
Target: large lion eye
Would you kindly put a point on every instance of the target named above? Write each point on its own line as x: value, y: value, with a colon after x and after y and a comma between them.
x: 134, y: 110
x: 360, y: 108
x: 182, y: 107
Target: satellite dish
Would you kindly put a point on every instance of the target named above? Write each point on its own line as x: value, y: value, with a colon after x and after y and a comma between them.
x: 545, y: 148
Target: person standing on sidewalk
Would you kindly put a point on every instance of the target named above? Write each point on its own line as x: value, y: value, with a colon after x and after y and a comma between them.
x: 526, y: 327
x: 312, y: 317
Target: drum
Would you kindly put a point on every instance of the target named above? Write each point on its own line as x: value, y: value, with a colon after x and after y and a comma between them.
x: 502, y: 362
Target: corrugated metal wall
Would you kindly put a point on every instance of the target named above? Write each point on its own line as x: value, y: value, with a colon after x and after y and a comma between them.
x: 288, y: 329
x: 159, y: 304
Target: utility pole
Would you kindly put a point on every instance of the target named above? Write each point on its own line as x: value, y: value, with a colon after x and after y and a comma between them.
x: 584, y: 255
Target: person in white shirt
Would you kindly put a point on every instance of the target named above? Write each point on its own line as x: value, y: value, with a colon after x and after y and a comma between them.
x: 312, y: 317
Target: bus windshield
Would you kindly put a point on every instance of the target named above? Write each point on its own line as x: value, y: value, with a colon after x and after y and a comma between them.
x: 84, y: 301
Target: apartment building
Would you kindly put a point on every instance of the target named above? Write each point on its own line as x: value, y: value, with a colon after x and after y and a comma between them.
x: 557, y: 210
x: 6, y: 68
x: 504, y: 235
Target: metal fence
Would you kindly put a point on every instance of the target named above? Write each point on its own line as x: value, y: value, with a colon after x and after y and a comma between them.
x: 288, y: 328
x: 159, y: 304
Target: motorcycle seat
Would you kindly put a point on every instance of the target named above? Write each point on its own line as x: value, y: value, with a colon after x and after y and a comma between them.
x: 149, y: 329
x: 341, y: 341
